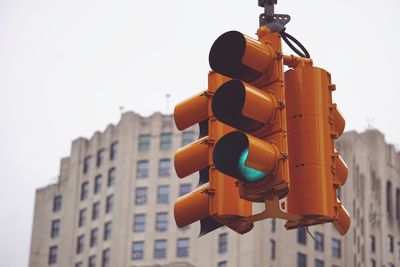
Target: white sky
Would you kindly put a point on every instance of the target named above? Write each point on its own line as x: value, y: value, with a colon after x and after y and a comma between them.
x: 67, y: 66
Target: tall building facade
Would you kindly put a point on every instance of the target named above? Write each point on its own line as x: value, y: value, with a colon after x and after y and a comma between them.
x: 112, y: 206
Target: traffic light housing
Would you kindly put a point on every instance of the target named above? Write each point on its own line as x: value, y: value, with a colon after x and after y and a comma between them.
x: 216, y: 201
x: 316, y: 169
x: 252, y: 102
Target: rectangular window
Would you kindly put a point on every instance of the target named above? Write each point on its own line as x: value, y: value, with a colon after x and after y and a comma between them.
x: 161, y: 221
x: 273, y: 249
x: 164, y: 168
x: 92, y: 261
x: 165, y: 141
x: 79, y: 264
x: 86, y: 164
x: 55, y: 228
x: 144, y: 142
x: 94, y: 236
x: 142, y: 169
x: 163, y: 194
x: 336, y: 248
x: 111, y: 177
x: 97, y: 184
x: 113, y: 150
x: 222, y: 243
x: 398, y: 250
x: 53, y: 251
x: 160, y: 249
x: 319, y: 263
x: 372, y: 243
x: 222, y: 264
x: 57, y: 203
x: 372, y: 263
x: 187, y: 137
x: 96, y: 211
x: 80, y: 244
x: 301, y: 260
x: 319, y: 241
x: 105, y: 259
x: 184, y: 189
x: 84, y: 191
x: 398, y: 204
x: 100, y: 157
x: 137, y: 250
x: 389, y: 198
x: 107, y: 230
x: 139, y: 222
x: 109, y: 203
x: 273, y: 225
x: 390, y: 243
x: 141, y: 195
x: 302, y: 236
x: 182, y: 247
x: 82, y: 217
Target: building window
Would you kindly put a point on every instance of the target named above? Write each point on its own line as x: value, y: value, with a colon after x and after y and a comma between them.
x: 141, y: 195
x: 319, y: 241
x: 164, y: 168
x: 92, y: 261
x: 184, y: 189
x: 336, y: 248
x: 222, y: 243
x: 182, y: 247
x: 372, y: 243
x: 390, y: 243
x: 105, y: 259
x: 82, y: 217
x: 187, y: 137
x: 302, y: 236
x: 100, y: 157
x: 53, y: 251
x: 301, y: 260
x: 319, y: 263
x: 163, y: 194
x: 80, y: 244
x: 165, y: 141
x: 161, y: 221
x: 398, y: 204
x: 372, y: 263
x: 94, y: 236
x: 84, y: 191
x: 273, y: 249
x: 111, y: 177
x: 144, y: 142
x: 55, y: 228
x: 391, y: 265
x: 109, y: 203
x: 137, y: 250
x: 160, y: 249
x: 142, y: 170
x: 273, y: 225
x: 398, y: 250
x: 96, y: 211
x: 57, y: 203
x: 222, y: 264
x: 107, y: 230
x: 97, y: 184
x: 79, y: 264
x: 86, y: 164
x: 389, y: 198
x: 113, y: 150
x: 139, y: 222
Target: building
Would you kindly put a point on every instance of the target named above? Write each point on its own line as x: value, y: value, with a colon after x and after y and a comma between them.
x: 113, y: 206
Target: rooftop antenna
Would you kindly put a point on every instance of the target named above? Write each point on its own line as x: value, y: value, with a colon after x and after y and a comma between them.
x: 167, y: 96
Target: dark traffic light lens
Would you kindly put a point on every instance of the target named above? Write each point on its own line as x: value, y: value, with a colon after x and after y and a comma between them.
x: 249, y: 174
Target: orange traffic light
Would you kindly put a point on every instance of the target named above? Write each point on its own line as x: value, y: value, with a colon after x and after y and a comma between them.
x: 316, y: 169
x: 216, y: 202
x: 252, y: 103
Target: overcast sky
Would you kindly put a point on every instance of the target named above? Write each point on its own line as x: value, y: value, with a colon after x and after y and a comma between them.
x: 66, y: 67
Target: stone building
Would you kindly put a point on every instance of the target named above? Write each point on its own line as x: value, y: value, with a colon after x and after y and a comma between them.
x: 113, y: 206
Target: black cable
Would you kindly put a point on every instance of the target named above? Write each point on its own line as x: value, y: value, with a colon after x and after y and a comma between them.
x: 288, y: 38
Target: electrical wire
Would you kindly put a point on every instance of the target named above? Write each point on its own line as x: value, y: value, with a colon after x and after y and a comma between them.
x: 289, y: 39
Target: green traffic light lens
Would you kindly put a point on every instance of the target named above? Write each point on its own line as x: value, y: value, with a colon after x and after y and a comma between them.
x: 249, y: 174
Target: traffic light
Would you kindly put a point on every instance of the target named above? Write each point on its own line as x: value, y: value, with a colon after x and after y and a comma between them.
x: 252, y: 102
x: 216, y: 201
x: 316, y: 169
